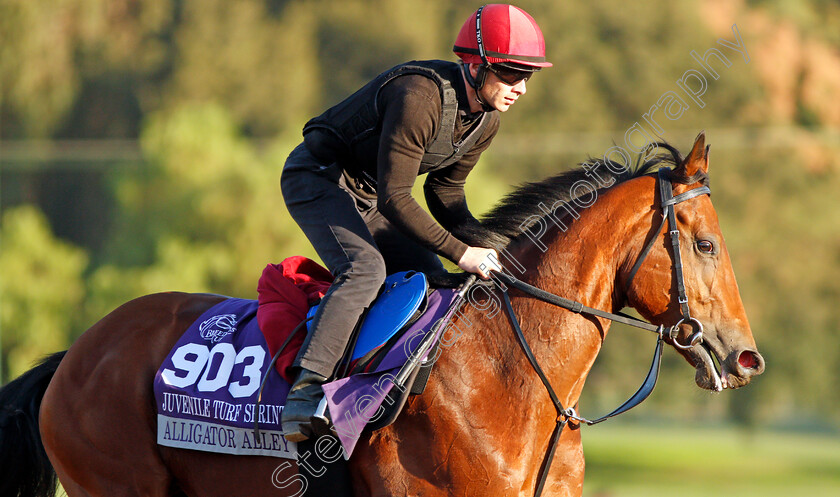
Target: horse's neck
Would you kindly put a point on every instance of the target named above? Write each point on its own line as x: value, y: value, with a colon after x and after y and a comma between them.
x: 581, y: 263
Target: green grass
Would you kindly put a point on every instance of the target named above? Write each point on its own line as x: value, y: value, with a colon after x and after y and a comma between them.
x: 650, y: 461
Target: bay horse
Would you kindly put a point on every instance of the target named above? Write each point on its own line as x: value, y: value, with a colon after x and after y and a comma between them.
x: 480, y: 428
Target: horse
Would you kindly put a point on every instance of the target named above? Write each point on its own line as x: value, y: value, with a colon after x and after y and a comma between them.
x: 480, y: 427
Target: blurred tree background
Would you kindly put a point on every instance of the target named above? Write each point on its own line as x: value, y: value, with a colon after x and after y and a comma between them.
x: 142, y: 143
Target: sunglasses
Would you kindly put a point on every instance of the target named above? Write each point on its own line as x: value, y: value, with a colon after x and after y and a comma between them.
x: 509, y: 76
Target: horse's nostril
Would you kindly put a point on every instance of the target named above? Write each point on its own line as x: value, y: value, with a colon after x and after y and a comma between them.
x: 749, y: 360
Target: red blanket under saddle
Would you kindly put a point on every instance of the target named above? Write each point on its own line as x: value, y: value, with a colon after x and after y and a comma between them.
x: 286, y: 291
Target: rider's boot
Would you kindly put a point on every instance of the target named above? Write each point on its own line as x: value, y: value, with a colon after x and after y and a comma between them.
x: 303, y: 400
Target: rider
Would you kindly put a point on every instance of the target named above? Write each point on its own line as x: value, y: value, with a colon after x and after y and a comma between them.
x: 348, y: 185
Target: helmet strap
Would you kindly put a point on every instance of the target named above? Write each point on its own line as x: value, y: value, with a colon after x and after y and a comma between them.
x: 479, y: 40
x: 477, y: 83
x: 481, y: 76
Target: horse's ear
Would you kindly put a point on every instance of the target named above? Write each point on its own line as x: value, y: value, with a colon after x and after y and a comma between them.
x: 698, y: 159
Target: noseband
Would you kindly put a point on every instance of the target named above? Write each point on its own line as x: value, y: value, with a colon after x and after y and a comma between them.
x: 564, y: 415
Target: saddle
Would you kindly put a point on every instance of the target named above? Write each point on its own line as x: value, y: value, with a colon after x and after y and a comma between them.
x: 290, y: 292
x: 403, y: 298
x: 294, y: 286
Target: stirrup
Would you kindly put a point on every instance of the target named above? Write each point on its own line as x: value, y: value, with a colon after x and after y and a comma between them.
x: 320, y: 422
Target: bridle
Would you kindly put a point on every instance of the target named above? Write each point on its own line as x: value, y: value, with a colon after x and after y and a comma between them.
x: 480, y: 78
x: 668, y: 201
x: 564, y: 415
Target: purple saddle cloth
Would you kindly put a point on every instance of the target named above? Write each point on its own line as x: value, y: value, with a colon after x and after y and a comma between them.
x: 207, y: 387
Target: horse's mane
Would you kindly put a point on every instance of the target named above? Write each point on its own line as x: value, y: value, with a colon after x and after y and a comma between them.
x: 507, y: 220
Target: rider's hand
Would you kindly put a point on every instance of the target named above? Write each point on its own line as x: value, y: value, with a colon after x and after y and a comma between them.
x: 480, y: 261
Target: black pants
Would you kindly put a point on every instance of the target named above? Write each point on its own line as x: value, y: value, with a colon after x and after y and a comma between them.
x: 358, y: 245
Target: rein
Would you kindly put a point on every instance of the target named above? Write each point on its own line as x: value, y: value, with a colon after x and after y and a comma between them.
x: 564, y: 415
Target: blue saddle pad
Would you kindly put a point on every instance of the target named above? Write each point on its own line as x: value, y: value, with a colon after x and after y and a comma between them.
x: 402, y: 296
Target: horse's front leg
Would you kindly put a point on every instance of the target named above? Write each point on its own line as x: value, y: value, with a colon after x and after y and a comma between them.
x: 566, y: 476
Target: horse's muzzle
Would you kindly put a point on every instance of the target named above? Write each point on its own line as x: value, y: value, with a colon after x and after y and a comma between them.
x: 717, y: 370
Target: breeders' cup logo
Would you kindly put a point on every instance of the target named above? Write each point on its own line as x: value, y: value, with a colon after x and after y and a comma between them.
x: 217, y: 327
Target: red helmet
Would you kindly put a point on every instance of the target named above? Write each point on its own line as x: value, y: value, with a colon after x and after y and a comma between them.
x: 507, y: 33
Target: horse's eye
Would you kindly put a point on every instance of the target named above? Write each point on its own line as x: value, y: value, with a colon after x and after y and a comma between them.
x: 706, y: 247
